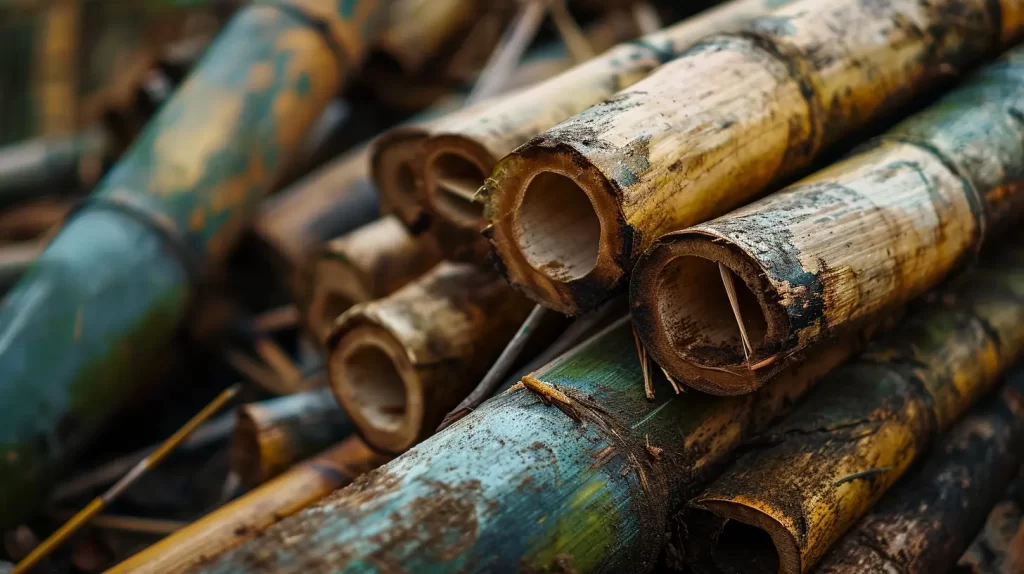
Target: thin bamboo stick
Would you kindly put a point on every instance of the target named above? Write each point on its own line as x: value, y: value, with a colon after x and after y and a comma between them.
x: 999, y: 543
x: 573, y: 209
x: 253, y: 513
x: 272, y: 435
x: 929, y: 519
x: 369, y: 263
x: 805, y: 482
x: 866, y: 234
x: 399, y: 364
x: 111, y: 288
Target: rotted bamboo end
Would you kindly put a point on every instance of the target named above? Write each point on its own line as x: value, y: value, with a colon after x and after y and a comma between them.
x: 556, y: 228
x: 749, y: 541
x: 392, y: 166
x: 706, y: 314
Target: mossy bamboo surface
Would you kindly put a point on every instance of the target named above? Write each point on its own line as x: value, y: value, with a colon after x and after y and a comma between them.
x: 573, y: 209
x: 244, y: 518
x: 107, y: 294
x: 272, y: 435
x: 574, y: 471
x: 399, y: 364
x: 369, y: 263
x: 930, y: 518
x: 806, y: 481
x: 1001, y: 540
x: 866, y: 234
x: 59, y: 165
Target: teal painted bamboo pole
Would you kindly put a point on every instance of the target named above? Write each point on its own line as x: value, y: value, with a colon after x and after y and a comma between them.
x: 107, y: 294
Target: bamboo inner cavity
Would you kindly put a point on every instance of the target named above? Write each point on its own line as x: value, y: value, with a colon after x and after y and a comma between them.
x: 744, y: 549
x: 405, y: 179
x: 456, y: 180
x: 376, y: 387
x: 333, y: 305
x: 557, y: 228
x: 698, y: 315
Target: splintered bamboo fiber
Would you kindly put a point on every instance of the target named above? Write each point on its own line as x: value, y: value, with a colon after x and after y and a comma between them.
x: 369, y: 263
x: 106, y: 296
x: 242, y: 519
x: 869, y: 233
x: 272, y: 435
x: 928, y: 520
x: 399, y: 364
x: 999, y: 547
x: 806, y: 481
x: 573, y: 209
x: 417, y: 29
x: 462, y: 149
x: 571, y: 471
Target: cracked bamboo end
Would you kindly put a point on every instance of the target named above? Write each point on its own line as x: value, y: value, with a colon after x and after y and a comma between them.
x: 453, y: 170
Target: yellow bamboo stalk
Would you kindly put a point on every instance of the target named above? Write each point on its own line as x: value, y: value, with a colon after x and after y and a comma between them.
x: 804, y: 483
x: 399, y: 364
x: 573, y: 209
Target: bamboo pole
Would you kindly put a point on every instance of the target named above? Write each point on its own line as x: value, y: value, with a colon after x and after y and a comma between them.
x: 34, y: 220
x: 798, y: 488
x: 1000, y: 542
x: 927, y: 522
x: 58, y: 165
x: 573, y: 209
x: 242, y: 519
x: 369, y: 263
x: 111, y: 288
x: 399, y: 364
x: 418, y: 29
x: 272, y: 435
x: 866, y: 234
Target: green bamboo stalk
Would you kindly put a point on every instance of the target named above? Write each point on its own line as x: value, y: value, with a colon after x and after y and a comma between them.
x: 109, y: 291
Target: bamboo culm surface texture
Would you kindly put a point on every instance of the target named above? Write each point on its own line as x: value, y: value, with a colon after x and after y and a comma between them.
x: 573, y: 209
x: 806, y: 481
x: 866, y: 234
x: 107, y: 294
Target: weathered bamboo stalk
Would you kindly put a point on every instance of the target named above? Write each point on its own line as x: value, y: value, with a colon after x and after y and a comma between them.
x: 399, y: 364
x: 573, y: 209
x: 272, y: 435
x: 930, y: 518
x: 111, y: 288
x: 1000, y: 541
x: 369, y: 263
x: 417, y: 29
x: 52, y: 166
x: 242, y: 519
x: 869, y: 233
x: 805, y: 482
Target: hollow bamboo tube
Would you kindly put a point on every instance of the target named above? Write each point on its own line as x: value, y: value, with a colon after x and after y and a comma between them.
x: 272, y: 435
x: 109, y: 291
x: 369, y: 263
x: 573, y: 209
x: 1001, y: 541
x: 399, y: 364
x: 866, y: 234
x: 930, y: 518
x: 417, y: 29
x: 242, y: 519
x: 806, y: 481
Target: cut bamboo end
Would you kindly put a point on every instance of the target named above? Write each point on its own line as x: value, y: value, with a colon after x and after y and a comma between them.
x: 749, y: 542
x: 336, y: 288
x: 707, y: 315
x: 454, y: 169
x: 392, y: 165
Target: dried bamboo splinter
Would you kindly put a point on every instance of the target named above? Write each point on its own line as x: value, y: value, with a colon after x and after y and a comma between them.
x: 368, y: 263
x: 810, y: 478
x: 399, y: 364
x: 869, y: 233
x: 573, y: 209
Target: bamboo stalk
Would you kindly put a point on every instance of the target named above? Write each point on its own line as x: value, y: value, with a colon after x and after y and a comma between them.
x: 927, y: 522
x: 799, y: 487
x: 573, y: 209
x: 399, y: 364
x: 111, y: 288
x: 34, y: 220
x: 866, y: 234
x: 418, y: 29
x: 271, y: 436
x: 369, y: 263
x: 58, y: 165
x: 253, y: 513
x: 999, y: 543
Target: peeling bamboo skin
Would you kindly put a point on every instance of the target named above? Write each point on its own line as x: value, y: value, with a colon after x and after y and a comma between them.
x: 866, y: 234
x: 111, y: 288
x: 810, y: 478
x: 660, y: 155
x: 242, y: 519
x: 926, y: 523
x: 519, y: 485
x: 442, y: 332
x: 369, y: 263
x: 272, y: 435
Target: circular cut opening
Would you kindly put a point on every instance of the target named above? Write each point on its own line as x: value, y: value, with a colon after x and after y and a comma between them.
x: 558, y: 229
x: 375, y: 386
x: 333, y: 305
x: 744, y: 549
x: 698, y: 317
x: 406, y: 179
x: 456, y: 180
